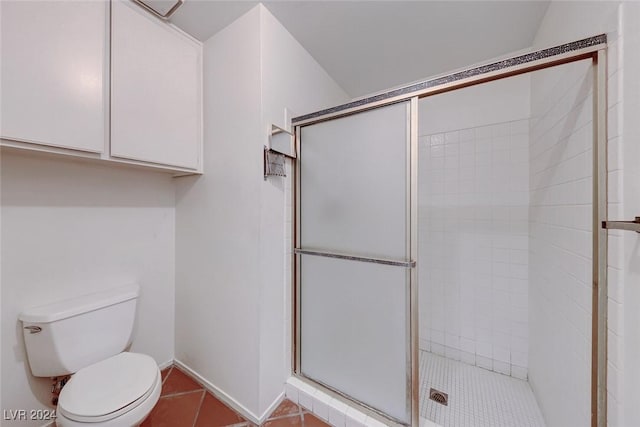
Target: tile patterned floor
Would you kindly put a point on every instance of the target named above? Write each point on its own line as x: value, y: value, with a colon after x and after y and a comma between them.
x: 185, y: 403
x: 477, y: 397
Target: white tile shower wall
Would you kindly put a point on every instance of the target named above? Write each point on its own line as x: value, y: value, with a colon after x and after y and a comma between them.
x: 560, y: 243
x: 624, y: 411
x: 616, y: 238
x: 473, y: 237
x: 566, y: 21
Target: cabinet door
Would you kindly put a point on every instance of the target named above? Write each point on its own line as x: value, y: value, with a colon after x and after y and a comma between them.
x: 53, y: 73
x: 155, y: 90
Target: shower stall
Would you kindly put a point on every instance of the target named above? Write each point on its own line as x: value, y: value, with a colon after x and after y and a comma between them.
x: 450, y: 265
x: 473, y: 257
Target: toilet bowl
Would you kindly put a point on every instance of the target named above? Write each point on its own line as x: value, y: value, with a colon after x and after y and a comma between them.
x: 86, y: 337
x: 119, y: 391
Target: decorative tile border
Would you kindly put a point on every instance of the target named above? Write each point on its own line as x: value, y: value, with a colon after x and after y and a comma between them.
x: 461, y: 75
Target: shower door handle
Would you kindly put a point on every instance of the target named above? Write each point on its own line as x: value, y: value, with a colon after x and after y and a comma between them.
x: 383, y: 261
x: 623, y: 225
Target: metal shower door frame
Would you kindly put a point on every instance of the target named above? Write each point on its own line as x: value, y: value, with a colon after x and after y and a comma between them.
x: 593, y: 48
x: 412, y: 390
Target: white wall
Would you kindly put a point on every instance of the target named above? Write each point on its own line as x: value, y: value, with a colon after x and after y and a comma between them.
x: 567, y: 21
x: 473, y: 221
x: 232, y: 286
x: 291, y: 79
x: 72, y: 227
x: 560, y: 311
x: 218, y: 222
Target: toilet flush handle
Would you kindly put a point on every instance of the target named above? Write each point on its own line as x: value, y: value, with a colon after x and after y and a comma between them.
x: 34, y: 329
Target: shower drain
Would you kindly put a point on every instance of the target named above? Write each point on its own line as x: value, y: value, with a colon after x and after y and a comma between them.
x: 439, y: 396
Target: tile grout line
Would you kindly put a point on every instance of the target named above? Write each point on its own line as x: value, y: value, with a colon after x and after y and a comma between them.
x: 168, y: 373
x: 298, y: 413
x: 195, y: 419
x: 280, y: 417
x: 181, y: 393
x: 202, y: 388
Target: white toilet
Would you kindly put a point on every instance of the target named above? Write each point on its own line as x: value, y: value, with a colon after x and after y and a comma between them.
x: 86, y: 336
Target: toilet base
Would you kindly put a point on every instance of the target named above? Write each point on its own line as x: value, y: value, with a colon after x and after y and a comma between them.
x: 133, y: 418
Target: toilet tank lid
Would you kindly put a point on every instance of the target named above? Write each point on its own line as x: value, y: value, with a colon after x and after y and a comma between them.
x: 81, y: 304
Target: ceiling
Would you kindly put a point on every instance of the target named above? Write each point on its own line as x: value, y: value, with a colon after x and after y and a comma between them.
x: 369, y: 46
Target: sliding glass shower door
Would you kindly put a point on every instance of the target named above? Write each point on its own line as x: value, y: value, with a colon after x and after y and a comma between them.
x: 354, y: 261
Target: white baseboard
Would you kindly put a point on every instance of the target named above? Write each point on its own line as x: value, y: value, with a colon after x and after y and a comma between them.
x: 230, y: 401
x: 272, y: 407
x: 165, y: 364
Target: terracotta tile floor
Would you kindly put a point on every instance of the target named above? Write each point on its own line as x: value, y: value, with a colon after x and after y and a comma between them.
x: 185, y: 403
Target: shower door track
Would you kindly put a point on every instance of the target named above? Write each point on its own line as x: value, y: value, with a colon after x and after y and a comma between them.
x: 594, y: 48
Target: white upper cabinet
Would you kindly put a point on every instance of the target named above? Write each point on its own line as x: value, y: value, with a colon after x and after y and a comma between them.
x: 54, y: 63
x: 156, y: 90
x: 99, y: 79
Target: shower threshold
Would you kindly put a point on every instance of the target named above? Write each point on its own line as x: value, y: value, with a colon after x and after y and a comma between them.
x: 476, y: 397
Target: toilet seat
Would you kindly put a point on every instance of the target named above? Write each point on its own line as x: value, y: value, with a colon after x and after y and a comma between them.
x: 110, y: 388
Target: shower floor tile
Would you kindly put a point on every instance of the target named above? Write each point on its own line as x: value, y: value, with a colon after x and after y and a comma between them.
x: 477, y: 397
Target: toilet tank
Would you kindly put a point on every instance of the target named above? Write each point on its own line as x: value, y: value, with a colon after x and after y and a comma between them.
x: 65, y: 336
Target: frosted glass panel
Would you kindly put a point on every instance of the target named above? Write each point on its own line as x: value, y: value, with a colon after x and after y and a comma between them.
x: 353, y: 184
x: 354, y: 330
